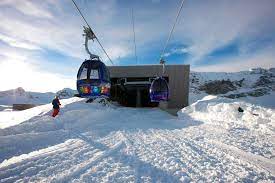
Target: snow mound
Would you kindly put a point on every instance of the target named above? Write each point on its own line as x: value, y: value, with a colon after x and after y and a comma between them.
x: 224, y: 112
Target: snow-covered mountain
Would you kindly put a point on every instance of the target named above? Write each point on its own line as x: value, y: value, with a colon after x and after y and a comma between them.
x: 19, y: 95
x: 66, y: 93
x: 244, y: 85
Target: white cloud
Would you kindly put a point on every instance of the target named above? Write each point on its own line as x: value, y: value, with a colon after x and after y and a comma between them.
x: 18, y: 68
x: 28, y: 35
x: 28, y: 7
x: 15, y: 73
x: 264, y: 59
x: 204, y: 26
x: 182, y: 50
x: 155, y: 1
x: 209, y: 25
x: 18, y: 43
x: 31, y: 27
x: 62, y: 31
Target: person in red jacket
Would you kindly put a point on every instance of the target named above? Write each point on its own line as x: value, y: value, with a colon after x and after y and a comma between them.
x: 56, y: 104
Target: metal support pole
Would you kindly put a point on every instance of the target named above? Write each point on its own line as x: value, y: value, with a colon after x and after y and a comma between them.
x: 138, y: 99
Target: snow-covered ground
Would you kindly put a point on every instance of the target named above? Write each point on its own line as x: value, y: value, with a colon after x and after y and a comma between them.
x: 209, y: 141
x: 97, y: 143
x: 11, y: 118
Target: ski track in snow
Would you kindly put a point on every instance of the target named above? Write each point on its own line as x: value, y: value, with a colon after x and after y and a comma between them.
x: 95, y: 143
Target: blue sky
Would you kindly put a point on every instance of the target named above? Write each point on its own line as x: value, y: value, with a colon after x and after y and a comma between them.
x: 42, y: 39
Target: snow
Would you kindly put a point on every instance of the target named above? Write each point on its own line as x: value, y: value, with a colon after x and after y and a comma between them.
x: 11, y: 118
x: 5, y: 108
x: 93, y: 142
x: 224, y: 112
x: 209, y: 141
x: 267, y: 101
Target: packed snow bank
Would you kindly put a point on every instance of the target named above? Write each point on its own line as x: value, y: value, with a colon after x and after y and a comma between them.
x: 224, y: 112
x: 11, y: 118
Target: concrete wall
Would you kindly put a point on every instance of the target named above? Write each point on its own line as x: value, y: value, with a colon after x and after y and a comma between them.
x: 178, y: 80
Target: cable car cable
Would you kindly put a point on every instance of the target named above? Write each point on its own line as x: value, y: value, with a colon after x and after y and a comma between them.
x: 159, y: 89
x: 91, y: 29
x: 134, y: 34
x: 170, y: 35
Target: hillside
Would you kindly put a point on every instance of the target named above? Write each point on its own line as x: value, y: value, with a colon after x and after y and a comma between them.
x: 255, y: 87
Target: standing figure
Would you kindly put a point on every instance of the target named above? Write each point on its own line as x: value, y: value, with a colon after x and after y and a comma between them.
x: 56, y: 104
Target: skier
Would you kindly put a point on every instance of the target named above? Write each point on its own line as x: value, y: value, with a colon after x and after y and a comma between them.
x: 56, y: 104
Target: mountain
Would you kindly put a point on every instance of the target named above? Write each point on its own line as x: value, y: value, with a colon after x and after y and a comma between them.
x: 66, y: 93
x: 19, y: 95
x: 245, y: 85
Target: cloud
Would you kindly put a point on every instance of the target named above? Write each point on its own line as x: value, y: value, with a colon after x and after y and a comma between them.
x: 35, y: 30
x: 57, y: 25
x: 155, y: 1
x: 208, y: 25
x: 204, y: 25
x: 264, y: 59
x: 28, y: 7
x: 30, y: 30
x: 15, y: 73
x: 20, y: 67
x: 18, y: 43
x: 173, y: 51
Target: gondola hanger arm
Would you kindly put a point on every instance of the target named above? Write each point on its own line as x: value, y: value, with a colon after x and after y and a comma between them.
x: 88, y: 26
x: 89, y: 35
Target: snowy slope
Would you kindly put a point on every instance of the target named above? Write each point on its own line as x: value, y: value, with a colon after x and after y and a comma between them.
x: 8, y: 118
x: 246, y: 85
x: 97, y: 143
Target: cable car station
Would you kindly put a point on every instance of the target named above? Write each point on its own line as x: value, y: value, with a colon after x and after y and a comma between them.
x: 164, y: 86
x: 130, y: 85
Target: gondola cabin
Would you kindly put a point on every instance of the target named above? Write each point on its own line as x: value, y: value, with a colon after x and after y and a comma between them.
x: 159, y: 90
x: 93, y: 79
